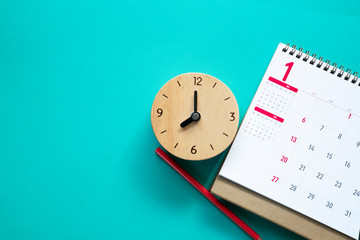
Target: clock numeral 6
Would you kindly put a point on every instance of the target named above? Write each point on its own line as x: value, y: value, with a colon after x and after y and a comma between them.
x: 197, y: 81
x: 232, y: 116
x: 160, y: 112
x: 193, y: 150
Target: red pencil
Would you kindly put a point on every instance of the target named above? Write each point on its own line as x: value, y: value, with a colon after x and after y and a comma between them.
x: 207, y: 194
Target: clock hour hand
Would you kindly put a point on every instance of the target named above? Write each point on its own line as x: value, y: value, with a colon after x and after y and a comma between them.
x: 195, y: 116
x: 186, y: 122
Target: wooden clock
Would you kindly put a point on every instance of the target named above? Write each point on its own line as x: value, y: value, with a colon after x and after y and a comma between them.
x: 195, y: 116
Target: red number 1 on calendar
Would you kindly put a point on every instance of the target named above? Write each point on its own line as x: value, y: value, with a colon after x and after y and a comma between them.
x: 289, y: 66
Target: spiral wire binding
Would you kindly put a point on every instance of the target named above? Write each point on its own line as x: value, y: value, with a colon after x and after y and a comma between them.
x: 320, y: 62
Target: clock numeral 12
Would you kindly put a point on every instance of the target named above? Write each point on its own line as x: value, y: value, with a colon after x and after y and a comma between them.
x: 197, y: 81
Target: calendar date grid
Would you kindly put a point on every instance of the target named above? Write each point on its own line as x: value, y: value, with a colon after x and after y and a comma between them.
x: 311, y: 195
x: 330, y: 203
x: 329, y: 155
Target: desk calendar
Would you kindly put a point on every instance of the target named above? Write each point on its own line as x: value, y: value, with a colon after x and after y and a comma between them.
x: 299, y: 142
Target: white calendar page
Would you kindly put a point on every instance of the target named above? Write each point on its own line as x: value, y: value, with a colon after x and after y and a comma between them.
x: 299, y: 142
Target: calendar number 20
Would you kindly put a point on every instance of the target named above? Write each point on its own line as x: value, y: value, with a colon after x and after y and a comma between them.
x: 284, y: 159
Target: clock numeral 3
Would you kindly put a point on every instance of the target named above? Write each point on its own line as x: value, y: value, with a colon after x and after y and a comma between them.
x: 197, y: 81
x: 232, y: 116
x: 193, y: 150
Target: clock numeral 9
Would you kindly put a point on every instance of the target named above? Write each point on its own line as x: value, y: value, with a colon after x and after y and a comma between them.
x: 197, y: 81
x: 160, y: 112
x: 232, y: 116
x: 193, y: 150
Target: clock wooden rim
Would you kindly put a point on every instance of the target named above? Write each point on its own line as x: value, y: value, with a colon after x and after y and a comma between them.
x: 213, y: 133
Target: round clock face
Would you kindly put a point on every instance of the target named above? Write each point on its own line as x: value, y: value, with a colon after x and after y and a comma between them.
x: 195, y: 116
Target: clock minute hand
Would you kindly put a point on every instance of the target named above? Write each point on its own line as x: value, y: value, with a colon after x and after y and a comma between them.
x: 195, y: 116
x: 195, y: 101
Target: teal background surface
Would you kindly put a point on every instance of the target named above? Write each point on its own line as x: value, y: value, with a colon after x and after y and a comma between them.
x: 77, y: 81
